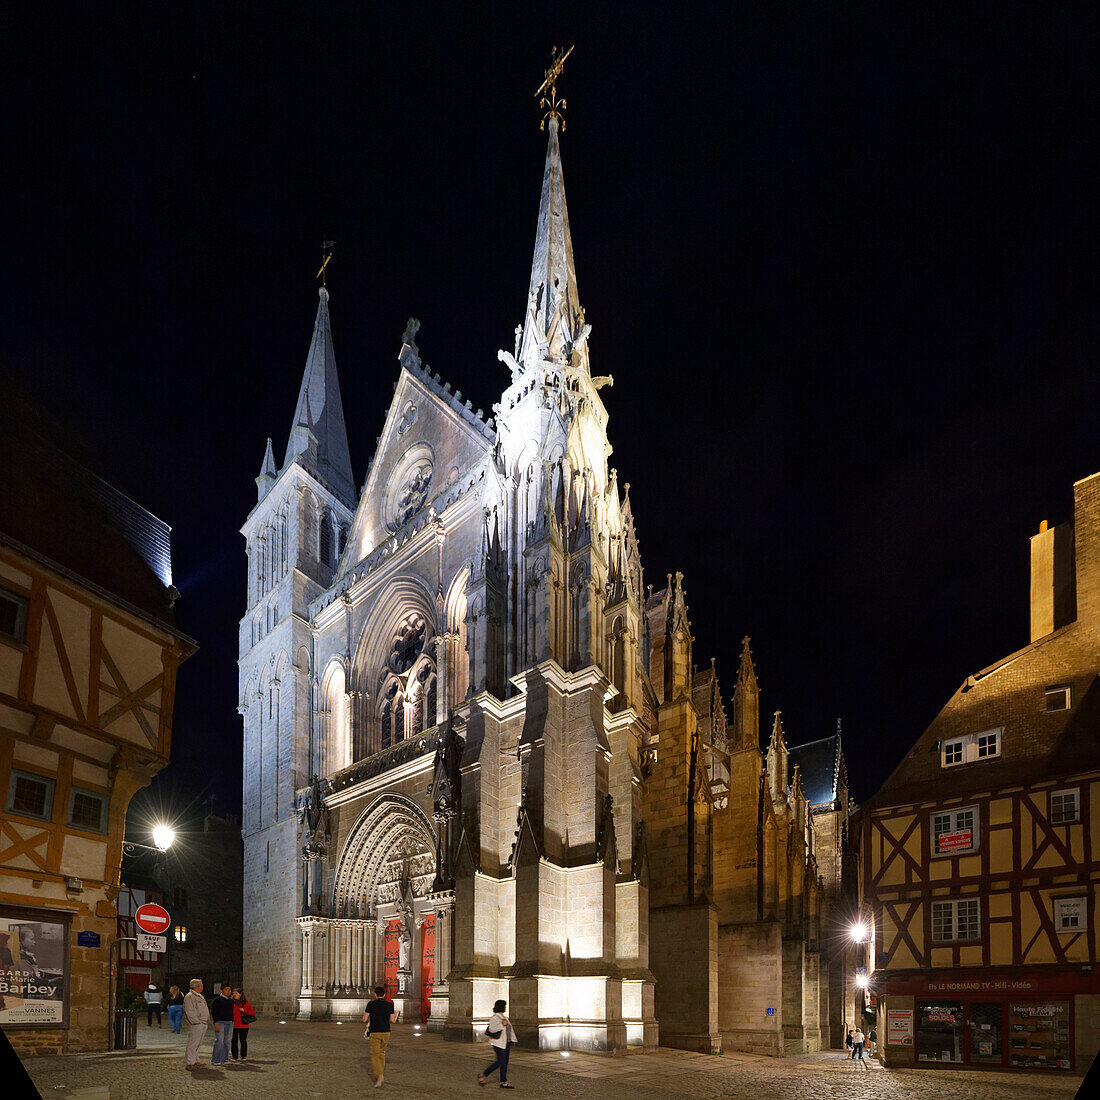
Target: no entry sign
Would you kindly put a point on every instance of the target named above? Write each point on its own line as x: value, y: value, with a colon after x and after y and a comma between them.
x: 152, y: 918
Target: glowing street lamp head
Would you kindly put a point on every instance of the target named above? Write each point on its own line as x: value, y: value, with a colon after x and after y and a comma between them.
x: 859, y: 932
x: 163, y: 836
x: 861, y: 981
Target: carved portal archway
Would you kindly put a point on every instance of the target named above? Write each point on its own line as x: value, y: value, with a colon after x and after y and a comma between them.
x: 392, y: 837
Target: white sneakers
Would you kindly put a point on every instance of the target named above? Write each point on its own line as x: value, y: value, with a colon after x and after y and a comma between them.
x: 378, y: 1083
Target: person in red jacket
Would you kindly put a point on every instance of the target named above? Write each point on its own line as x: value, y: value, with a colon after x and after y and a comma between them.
x: 242, y: 1008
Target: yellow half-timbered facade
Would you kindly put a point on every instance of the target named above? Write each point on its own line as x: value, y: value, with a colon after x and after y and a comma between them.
x: 88, y: 661
x: 980, y: 855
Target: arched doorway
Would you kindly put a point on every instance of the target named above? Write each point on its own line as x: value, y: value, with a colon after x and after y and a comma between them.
x: 384, y: 876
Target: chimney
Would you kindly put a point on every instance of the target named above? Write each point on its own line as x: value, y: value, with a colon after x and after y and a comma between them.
x: 1053, y: 584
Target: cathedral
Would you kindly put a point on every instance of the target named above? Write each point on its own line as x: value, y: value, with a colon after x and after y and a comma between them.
x: 479, y: 759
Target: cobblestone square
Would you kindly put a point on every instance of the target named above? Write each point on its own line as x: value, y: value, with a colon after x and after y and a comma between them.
x: 299, y: 1060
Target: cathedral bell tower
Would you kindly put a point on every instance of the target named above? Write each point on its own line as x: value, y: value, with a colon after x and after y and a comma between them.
x: 294, y: 538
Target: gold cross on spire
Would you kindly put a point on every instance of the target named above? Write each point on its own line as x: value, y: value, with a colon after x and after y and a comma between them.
x: 326, y: 253
x: 547, y: 95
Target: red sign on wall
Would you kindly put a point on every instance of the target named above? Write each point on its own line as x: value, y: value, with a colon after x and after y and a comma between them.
x: 951, y: 842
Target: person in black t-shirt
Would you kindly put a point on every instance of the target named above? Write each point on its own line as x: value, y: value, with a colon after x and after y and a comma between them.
x: 379, y: 1015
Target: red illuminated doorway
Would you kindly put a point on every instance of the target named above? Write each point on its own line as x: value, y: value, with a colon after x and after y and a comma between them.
x: 427, y: 966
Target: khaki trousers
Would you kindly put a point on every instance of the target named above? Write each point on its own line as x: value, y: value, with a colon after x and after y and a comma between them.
x: 378, y: 1043
x: 195, y: 1032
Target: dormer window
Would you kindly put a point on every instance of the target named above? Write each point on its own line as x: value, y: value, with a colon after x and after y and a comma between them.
x: 1059, y: 698
x: 970, y: 748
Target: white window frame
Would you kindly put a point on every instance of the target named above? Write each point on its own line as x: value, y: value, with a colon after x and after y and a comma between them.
x: 954, y: 904
x: 1075, y: 908
x: 1064, y: 792
x: 1054, y: 692
x: 19, y: 634
x: 954, y: 813
x: 957, y: 751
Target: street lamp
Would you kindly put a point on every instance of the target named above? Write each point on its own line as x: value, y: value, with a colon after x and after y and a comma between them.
x: 858, y: 932
x: 163, y: 835
x: 862, y: 981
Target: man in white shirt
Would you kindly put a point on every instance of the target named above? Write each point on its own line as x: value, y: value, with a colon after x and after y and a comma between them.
x: 196, y: 1014
x: 857, y: 1043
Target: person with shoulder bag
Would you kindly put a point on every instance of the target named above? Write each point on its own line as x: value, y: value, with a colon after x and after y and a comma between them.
x: 501, y: 1035
x: 243, y: 1015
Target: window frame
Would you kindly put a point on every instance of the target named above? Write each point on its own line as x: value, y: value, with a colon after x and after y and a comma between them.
x: 51, y: 791
x: 1076, y: 793
x: 968, y: 746
x: 955, y: 937
x: 953, y: 812
x: 1083, y: 910
x: 180, y: 933
x: 1051, y: 692
x: 104, y: 810
x: 22, y: 604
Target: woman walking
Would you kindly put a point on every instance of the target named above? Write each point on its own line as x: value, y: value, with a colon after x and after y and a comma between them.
x: 175, y: 1008
x: 243, y: 1015
x: 501, y: 1036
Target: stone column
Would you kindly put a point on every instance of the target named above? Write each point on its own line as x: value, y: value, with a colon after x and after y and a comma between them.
x: 305, y: 941
x: 371, y: 952
x: 443, y: 906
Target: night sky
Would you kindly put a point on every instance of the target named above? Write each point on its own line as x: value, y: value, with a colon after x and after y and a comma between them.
x: 840, y: 263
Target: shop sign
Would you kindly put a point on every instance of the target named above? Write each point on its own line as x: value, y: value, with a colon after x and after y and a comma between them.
x: 899, y: 1027
x: 941, y: 1016
x: 950, y: 842
x: 34, y: 968
x: 1003, y: 985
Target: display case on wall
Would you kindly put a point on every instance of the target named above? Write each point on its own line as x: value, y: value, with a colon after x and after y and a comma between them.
x: 1039, y: 1034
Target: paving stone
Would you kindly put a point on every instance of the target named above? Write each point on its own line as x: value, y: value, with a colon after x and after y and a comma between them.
x: 329, y: 1061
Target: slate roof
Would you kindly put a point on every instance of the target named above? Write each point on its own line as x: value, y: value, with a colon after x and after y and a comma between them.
x: 819, y: 765
x: 55, y: 509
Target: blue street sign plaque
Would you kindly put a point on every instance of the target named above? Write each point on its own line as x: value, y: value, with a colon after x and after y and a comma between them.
x: 87, y: 939
x: 769, y: 1011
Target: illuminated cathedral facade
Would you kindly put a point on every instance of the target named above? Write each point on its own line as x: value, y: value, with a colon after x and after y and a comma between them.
x: 479, y: 760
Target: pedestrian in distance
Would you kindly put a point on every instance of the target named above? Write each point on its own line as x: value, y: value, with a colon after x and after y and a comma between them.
x: 872, y: 1041
x: 221, y: 1012
x: 243, y: 1015
x: 501, y: 1036
x: 849, y: 1044
x: 175, y: 1008
x: 857, y: 1043
x: 380, y: 1014
x: 197, y: 1014
x: 154, y: 998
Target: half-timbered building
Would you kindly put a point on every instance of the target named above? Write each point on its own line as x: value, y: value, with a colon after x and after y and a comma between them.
x: 979, y: 853
x: 88, y: 660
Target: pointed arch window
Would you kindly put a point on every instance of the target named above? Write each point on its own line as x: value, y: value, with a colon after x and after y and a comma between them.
x: 326, y: 538
x: 398, y: 719
x: 430, y: 719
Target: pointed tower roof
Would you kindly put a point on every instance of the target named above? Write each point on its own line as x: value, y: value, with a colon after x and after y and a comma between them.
x: 318, y: 437
x: 268, y: 472
x: 746, y: 672
x: 554, y: 320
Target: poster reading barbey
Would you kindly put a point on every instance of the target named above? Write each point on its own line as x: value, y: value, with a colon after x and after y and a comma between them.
x: 32, y: 971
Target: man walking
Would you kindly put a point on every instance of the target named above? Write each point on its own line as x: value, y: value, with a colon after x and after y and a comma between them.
x: 197, y: 1015
x: 153, y: 1000
x: 221, y: 1011
x: 379, y: 1015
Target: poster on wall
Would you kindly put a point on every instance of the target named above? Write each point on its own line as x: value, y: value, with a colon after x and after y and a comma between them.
x: 899, y: 1027
x: 34, y: 968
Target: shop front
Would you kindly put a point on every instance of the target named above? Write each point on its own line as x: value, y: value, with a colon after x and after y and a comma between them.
x: 1023, y: 1021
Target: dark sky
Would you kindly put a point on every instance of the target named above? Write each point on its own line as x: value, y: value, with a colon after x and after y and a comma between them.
x: 839, y: 262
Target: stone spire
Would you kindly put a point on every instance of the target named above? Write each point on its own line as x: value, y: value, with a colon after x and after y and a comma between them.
x: 554, y: 323
x: 318, y: 438
x: 746, y: 703
x: 268, y: 472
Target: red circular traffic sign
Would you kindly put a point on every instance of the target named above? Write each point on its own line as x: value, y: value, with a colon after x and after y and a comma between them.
x: 152, y: 918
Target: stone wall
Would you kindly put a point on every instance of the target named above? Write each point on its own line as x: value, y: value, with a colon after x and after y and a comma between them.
x: 684, y: 961
x: 750, y: 981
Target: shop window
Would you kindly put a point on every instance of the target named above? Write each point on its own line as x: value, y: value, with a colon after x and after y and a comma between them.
x: 939, y: 1031
x: 1065, y: 806
x: 971, y: 748
x: 955, y: 831
x: 954, y: 921
x: 1070, y: 914
x: 1038, y: 1034
x: 1059, y: 698
x: 13, y: 615
x: 30, y: 795
x: 985, y: 1033
x: 87, y: 810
